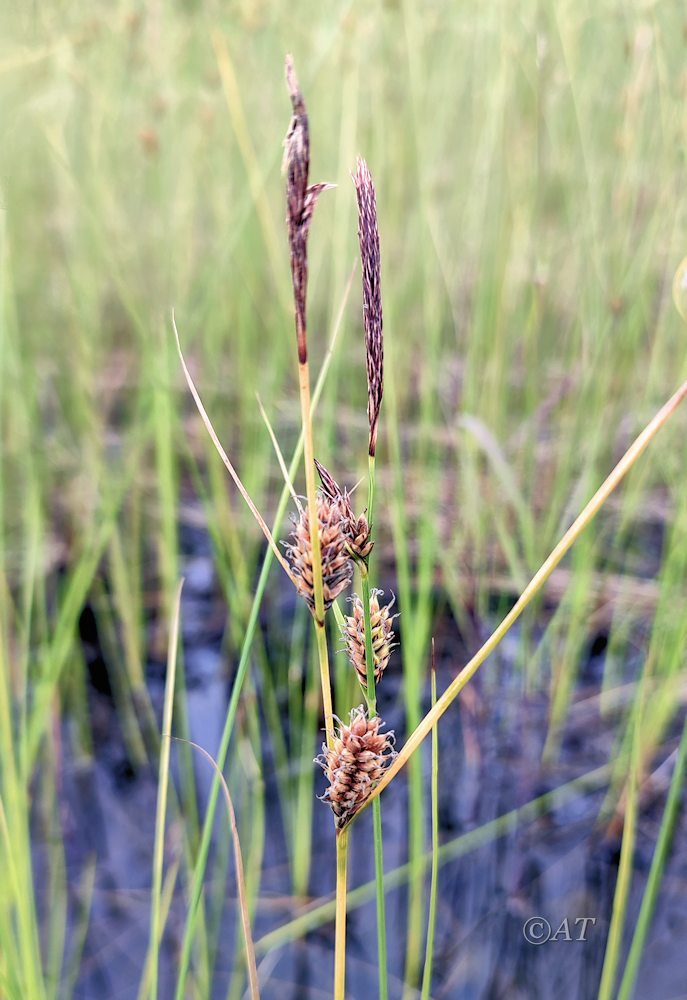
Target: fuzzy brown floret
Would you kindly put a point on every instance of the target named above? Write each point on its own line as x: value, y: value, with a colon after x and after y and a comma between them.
x: 355, y: 763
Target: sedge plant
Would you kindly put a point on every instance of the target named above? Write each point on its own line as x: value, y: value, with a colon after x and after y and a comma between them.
x: 328, y: 541
x: 321, y: 560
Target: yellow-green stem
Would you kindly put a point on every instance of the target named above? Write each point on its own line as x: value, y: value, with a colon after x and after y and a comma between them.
x: 313, y: 521
x: 380, y: 901
x: 434, y: 877
x: 370, y: 694
x: 340, y: 941
x: 531, y: 590
x: 325, y: 681
x: 163, y: 783
x: 371, y: 698
x: 370, y: 488
x: 614, y: 940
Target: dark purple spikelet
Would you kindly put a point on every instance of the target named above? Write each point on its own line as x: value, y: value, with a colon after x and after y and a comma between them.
x: 300, y: 201
x: 357, y: 529
x: 368, y: 236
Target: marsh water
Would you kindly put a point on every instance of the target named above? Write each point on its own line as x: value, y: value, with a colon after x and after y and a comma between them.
x: 556, y: 860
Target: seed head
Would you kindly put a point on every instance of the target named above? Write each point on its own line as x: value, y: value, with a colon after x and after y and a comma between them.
x: 368, y: 237
x: 337, y: 567
x: 300, y: 201
x: 359, y: 541
x: 354, y: 764
x: 353, y: 631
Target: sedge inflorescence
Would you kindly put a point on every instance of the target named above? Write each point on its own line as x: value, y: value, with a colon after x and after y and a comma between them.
x: 337, y: 567
x: 344, y: 539
x: 355, y: 763
x: 355, y: 757
x: 358, y: 530
x: 353, y: 631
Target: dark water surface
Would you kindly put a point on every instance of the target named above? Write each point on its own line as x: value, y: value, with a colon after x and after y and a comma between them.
x: 557, y: 863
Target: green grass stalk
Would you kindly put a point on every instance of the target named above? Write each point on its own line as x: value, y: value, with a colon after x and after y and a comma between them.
x: 434, y: 878
x: 371, y: 699
x: 163, y: 783
x: 622, y: 887
x: 415, y: 624
x: 658, y: 863
x: 340, y: 940
x: 240, y: 877
x: 313, y: 519
x: 304, y: 795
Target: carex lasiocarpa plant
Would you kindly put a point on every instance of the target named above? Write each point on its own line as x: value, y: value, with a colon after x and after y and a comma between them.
x: 355, y: 757
x: 358, y: 756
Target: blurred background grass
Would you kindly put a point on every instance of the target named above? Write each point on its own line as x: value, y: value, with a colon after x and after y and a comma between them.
x: 529, y: 162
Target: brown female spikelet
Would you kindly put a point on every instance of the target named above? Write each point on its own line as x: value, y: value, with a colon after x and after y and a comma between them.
x: 359, y: 540
x: 300, y: 201
x: 355, y: 763
x: 337, y: 568
x: 353, y: 631
x: 368, y: 237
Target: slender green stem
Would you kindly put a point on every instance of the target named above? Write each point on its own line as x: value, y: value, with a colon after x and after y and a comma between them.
x: 431, y: 922
x: 371, y: 698
x: 379, y: 896
x: 163, y: 782
x: 370, y: 488
x: 622, y: 887
x: 325, y: 682
x: 340, y: 941
x: 371, y: 694
x: 313, y: 520
x: 370, y: 690
x: 658, y: 863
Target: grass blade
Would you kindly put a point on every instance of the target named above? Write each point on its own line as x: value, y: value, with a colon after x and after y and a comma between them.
x: 163, y: 783
x: 434, y: 878
x: 225, y: 458
x: 240, y: 877
x: 622, y: 888
x: 371, y: 699
x: 278, y: 452
x: 658, y: 864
